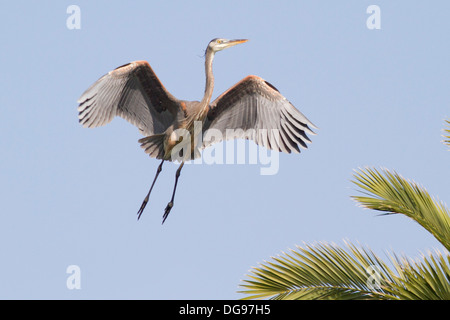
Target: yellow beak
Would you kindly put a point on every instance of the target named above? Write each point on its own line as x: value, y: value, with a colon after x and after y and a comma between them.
x: 235, y: 42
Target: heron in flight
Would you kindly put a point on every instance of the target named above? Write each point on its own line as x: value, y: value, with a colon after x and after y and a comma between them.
x: 134, y: 92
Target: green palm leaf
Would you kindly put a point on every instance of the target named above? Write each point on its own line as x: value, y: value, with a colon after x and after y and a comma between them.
x: 425, y: 279
x: 447, y: 133
x: 327, y: 271
x: 321, y: 271
x: 389, y: 192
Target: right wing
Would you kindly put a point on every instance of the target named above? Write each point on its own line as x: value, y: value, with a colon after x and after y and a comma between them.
x: 262, y: 114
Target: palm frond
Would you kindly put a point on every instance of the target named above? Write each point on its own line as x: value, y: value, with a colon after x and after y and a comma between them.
x: 321, y: 271
x: 389, y: 192
x: 446, y: 134
x: 425, y: 279
x: 327, y: 271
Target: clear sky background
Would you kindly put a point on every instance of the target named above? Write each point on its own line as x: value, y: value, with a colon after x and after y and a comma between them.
x: 69, y: 195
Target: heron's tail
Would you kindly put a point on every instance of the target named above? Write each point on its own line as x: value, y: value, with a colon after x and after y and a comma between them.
x: 153, y: 145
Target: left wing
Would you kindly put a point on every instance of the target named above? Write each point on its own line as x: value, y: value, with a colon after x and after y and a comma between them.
x: 133, y: 92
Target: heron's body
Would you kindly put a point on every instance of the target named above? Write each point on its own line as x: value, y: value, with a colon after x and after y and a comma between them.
x: 134, y: 92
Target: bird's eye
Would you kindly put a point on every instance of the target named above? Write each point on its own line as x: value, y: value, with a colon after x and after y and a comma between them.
x: 219, y: 41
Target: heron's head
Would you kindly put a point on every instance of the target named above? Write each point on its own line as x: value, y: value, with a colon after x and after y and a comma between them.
x: 219, y: 44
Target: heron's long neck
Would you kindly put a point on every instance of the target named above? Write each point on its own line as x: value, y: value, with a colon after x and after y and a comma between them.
x: 209, y: 88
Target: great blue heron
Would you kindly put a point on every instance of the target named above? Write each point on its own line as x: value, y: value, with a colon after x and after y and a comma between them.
x: 134, y: 92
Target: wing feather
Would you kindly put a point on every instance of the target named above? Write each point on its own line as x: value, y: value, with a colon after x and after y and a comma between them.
x: 133, y: 92
x: 253, y: 103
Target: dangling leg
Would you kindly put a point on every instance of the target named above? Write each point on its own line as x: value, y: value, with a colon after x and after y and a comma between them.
x: 170, y: 204
x: 144, y: 203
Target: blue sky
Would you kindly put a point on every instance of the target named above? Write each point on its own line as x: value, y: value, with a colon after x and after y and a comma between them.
x: 70, y: 195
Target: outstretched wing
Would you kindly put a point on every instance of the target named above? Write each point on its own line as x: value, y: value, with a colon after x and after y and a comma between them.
x: 254, y: 109
x: 133, y: 92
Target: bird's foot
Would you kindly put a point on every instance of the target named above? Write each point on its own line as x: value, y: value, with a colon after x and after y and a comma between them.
x: 167, y: 210
x: 141, y: 209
